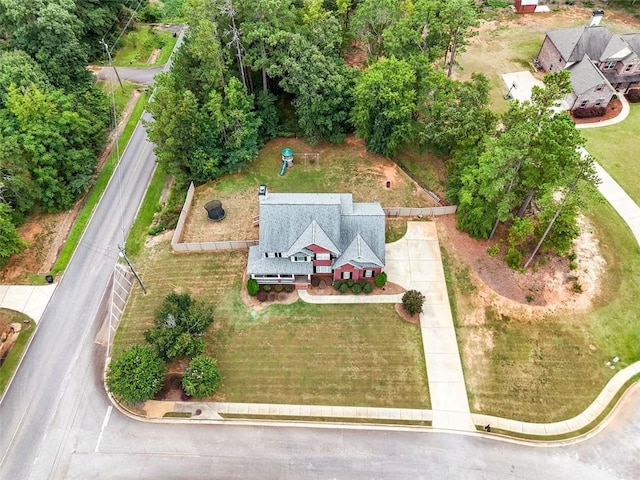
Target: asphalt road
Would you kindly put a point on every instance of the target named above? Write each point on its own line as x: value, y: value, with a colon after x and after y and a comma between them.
x: 56, y: 422
x: 143, y: 76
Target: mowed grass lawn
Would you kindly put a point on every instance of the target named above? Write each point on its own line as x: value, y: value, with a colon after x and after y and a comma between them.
x: 299, y: 353
x: 552, y: 368
x: 616, y: 149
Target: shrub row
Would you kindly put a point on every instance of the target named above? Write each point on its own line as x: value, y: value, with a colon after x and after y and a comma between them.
x: 589, y: 112
x: 359, y: 287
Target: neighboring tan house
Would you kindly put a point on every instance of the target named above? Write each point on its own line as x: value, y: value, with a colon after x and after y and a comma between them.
x: 316, y: 234
x: 600, y: 62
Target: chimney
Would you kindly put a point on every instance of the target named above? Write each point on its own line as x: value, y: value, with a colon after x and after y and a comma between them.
x: 262, y: 192
x: 596, y: 16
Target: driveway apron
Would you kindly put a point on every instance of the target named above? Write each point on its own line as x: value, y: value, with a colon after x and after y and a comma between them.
x: 414, y: 262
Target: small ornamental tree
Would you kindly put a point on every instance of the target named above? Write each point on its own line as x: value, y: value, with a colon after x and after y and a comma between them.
x: 136, y: 375
x: 381, y: 279
x: 201, y: 378
x: 179, y: 323
x: 412, y: 302
x: 252, y: 287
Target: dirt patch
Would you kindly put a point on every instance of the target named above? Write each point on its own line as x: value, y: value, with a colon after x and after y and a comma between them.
x: 548, y: 287
x: 154, y: 56
x: 172, y: 389
x: 613, y: 110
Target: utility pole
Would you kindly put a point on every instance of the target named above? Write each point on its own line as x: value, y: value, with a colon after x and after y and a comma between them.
x: 123, y: 255
x: 106, y: 48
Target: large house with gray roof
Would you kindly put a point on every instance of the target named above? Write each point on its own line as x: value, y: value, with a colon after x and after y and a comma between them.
x: 316, y: 234
x: 600, y: 62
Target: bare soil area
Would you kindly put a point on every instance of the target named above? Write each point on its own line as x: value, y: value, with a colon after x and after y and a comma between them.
x: 547, y: 287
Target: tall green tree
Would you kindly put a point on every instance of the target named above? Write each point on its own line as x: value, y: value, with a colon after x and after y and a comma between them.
x: 50, y: 32
x: 369, y: 23
x: 10, y: 241
x: 384, y: 105
x: 456, y: 19
x: 56, y: 139
x: 453, y: 115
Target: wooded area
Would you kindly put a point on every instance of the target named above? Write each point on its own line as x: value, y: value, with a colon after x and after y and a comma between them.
x: 54, y: 119
x: 254, y: 69
x: 251, y: 70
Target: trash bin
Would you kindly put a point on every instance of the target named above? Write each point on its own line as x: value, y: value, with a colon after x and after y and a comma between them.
x: 49, y: 278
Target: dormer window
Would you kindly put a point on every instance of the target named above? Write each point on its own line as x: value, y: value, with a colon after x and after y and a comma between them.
x: 610, y: 65
x: 600, y: 87
x: 629, y: 67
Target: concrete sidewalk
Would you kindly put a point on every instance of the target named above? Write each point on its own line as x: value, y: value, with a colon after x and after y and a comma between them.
x: 30, y: 300
x: 414, y: 262
x: 346, y: 299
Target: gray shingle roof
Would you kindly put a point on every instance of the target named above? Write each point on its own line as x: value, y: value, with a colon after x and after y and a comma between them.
x: 586, y: 76
x: 615, y: 45
x: 358, y: 253
x: 291, y: 221
x: 258, y: 265
x: 574, y: 43
x: 633, y: 40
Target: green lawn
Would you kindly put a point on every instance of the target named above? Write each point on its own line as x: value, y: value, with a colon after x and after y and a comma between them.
x: 616, y: 149
x: 121, y: 97
x: 137, y: 46
x: 15, y: 354
x: 299, y: 353
x: 552, y: 369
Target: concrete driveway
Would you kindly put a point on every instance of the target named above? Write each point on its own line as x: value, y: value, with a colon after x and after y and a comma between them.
x: 30, y: 300
x: 415, y: 263
x: 520, y: 84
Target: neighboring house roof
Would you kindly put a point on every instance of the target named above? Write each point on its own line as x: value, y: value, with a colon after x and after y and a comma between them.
x: 289, y: 222
x: 586, y: 76
x: 574, y: 43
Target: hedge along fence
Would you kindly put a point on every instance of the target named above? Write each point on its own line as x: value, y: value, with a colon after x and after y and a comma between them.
x: 419, y: 212
x: 178, y: 246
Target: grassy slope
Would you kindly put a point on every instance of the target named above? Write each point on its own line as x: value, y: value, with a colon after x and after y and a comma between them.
x: 313, y: 354
x: 13, y: 358
x: 616, y: 149
x: 138, y: 45
x: 96, y: 192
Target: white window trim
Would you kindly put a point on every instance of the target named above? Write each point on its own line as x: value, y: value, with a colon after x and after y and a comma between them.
x: 346, y: 275
x: 323, y: 256
x: 368, y: 274
x: 323, y: 269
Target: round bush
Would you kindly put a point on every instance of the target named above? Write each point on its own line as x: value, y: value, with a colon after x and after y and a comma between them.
x: 350, y: 283
x: 272, y: 296
x: 252, y: 287
x: 380, y: 279
x: 337, y: 285
x: 315, y: 281
x: 362, y: 282
x: 266, y: 288
x: 412, y: 302
x: 201, y: 378
x: 262, y: 295
x: 367, y: 288
x: 137, y: 374
x: 278, y: 288
x: 343, y: 288
x: 289, y: 288
x: 356, y: 288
